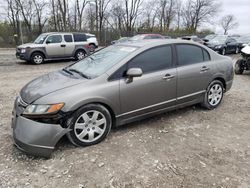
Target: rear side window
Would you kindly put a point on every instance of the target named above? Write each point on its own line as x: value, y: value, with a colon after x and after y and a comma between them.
x: 189, y: 54
x: 206, y: 55
x: 68, y: 38
x: 80, y: 37
x: 154, y: 59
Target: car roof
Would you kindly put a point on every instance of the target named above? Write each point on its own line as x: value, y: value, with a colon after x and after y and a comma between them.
x: 49, y: 33
x: 154, y: 43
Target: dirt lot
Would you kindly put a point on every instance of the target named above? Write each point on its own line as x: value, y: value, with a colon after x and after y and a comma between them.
x: 191, y: 147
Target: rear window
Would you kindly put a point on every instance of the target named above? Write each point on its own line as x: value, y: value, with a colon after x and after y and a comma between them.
x: 80, y: 37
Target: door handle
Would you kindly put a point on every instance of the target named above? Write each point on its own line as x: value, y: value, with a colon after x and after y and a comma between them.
x: 204, y: 69
x: 63, y: 45
x: 168, y: 77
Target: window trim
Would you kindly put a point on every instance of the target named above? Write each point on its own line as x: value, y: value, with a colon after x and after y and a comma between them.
x: 177, y: 57
x: 173, y: 61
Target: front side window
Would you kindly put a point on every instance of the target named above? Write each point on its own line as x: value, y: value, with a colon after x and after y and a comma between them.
x: 154, y: 59
x: 68, y: 38
x: 189, y: 54
x: 54, y: 39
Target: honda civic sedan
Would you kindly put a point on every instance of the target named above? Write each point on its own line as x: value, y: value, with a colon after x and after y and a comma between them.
x: 117, y: 85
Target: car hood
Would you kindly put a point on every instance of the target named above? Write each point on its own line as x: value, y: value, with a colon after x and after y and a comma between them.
x: 46, y: 84
x: 29, y: 45
x: 213, y: 44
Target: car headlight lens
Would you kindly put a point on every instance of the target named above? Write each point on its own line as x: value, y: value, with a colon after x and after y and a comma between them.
x: 219, y: 46
x: 37, y: 109
x: 23, y: 50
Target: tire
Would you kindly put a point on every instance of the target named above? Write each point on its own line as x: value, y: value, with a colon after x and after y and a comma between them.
x: 214, y: 95
x: 86, y: 130
x: 237, y: 50
x: 223, y: 52
x: 37, y: 58
x: 238, y: 67
x: 80, y: 54
x: 92, y: 47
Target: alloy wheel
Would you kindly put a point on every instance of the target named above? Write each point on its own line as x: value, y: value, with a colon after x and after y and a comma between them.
x: 38, y: 59
x: 215, y: 94
x: 90, y: 126
x: 80, y: 55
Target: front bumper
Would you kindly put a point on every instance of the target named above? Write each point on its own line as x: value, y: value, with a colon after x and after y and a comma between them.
x: 22, y: 56
x: 36, y: 138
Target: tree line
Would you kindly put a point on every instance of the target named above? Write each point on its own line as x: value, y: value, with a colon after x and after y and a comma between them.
x: 109, y: 17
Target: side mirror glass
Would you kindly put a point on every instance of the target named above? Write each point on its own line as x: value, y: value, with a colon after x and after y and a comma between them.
x: 48, y: 42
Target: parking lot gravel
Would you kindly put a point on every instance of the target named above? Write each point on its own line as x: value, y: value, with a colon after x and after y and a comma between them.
x: 190, y: 147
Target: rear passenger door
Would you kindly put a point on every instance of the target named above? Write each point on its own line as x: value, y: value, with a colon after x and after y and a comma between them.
x: 193, y: 72
x: 69, y: 45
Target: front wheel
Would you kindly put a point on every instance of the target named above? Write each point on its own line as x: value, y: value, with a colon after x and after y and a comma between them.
x: 214, y: 95
x: 37, y: 58
x: 90, y: 125
x: 238, y: 68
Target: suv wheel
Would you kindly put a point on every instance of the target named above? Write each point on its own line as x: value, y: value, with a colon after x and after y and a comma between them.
x: 37, y: 58
x: 80, y: 54
x: 238, y: 68
x: 90, y: 125
x: 214, y: 95
x: 92, y: 47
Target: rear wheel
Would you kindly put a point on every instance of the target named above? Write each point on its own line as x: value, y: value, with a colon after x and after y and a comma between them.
x: 237, y: 50
x: 90, y: 125
x: 80, y: 54
x: 92, y: 47
x: 223, y: 52
x: 238, y: 68
x: 37, y: 58
x: 214, y: 95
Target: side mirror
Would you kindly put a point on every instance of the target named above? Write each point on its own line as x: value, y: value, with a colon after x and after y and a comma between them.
x: 47, y: 42
x: 133, y: 72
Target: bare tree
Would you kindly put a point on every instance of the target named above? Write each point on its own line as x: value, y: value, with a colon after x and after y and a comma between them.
x: 41, y: 19
x: 196, y: 12
x: 228, y: 22
x: 80, y: 6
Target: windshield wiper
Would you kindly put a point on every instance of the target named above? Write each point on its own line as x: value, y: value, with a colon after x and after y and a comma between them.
x: 67, y: 71
x: 80, y: 73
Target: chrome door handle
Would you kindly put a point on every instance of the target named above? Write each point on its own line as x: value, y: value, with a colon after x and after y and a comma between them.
x: 204, y: 69
x: 168, y: 77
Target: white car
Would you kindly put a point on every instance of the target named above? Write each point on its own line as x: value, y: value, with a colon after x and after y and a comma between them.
x: 92, y: 40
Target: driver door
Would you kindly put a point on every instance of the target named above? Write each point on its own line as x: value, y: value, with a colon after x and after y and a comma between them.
x: 155, y: 89
x: 54, y: 46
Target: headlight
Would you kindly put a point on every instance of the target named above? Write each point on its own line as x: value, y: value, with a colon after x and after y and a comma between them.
x: 219, y: 46
x: 37, y: 109
x: 23, y: 51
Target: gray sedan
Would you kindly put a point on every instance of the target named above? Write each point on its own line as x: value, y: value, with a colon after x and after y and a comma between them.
x: 115, y: 86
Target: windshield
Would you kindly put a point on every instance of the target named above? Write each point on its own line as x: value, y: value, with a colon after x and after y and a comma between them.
x: 40, y: 39
x: 219, y: 39
x: 101, y: 61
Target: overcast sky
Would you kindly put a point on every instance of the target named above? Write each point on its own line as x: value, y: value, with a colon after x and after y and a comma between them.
x: 239, y: 8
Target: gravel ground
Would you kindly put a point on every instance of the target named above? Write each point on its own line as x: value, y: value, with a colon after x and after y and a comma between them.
x: 191, y: 147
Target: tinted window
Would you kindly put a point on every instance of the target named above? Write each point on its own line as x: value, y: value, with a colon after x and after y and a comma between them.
x: 189, y: 54
x: 153, y: 60
x: 206, y: 55
x: 121, y: 72
x: 68, y: 38
x: 54, y: 39
x: 80, y: 37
